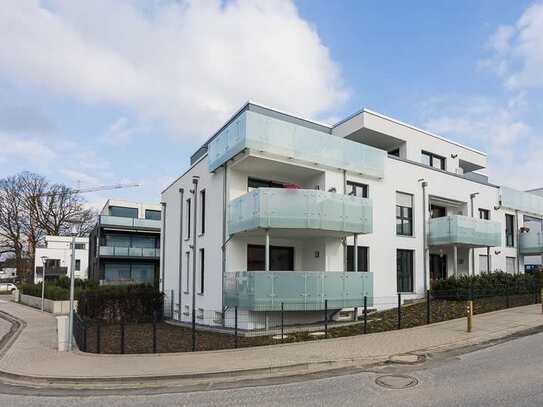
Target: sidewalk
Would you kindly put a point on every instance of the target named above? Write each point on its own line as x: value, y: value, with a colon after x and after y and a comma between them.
x: 34, y: 355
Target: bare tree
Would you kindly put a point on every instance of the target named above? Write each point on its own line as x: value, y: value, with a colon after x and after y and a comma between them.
x: 31, y: 208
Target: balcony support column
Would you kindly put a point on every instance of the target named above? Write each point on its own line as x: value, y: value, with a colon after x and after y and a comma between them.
x: 267, y: 250
x: 455, y: 259
x: 355, y: 252
x: 488, y: 259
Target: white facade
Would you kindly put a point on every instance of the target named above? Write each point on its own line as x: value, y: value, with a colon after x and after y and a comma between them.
x: 282, y: 149
x: 8, y: 273
x: 58, y: 251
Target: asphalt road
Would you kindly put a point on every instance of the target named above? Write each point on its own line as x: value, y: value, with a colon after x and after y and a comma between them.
x: 508, y: 374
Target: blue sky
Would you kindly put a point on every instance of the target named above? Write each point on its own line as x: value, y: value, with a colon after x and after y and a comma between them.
x: 95, y: 93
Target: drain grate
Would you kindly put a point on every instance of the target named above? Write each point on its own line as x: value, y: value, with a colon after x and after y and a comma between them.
x: 396, y: 381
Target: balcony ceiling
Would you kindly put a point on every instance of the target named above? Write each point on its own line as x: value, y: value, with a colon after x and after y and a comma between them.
x: 291, y: 234
x: 375, y: 139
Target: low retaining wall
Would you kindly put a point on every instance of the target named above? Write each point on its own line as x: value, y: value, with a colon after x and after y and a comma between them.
x: 54, y: 307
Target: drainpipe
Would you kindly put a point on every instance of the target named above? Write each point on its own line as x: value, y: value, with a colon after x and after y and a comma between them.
x: 425, y: 234
x: 180, y: 287
x: 355, y: 252
x: 455, y: 259
x: 345, y: 238
x: 223, y: 247
x: 194, y: 230
x: 163, y: 247
x: 488, y: 259
x: 472, y: 250
x: 267, y: 264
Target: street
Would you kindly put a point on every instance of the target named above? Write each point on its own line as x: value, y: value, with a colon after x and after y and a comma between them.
x: 508, y: 374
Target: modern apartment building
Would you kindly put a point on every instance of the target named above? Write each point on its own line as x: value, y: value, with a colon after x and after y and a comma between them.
x: 58, y: 254
x: 278, y: 209
x: 125, y: 244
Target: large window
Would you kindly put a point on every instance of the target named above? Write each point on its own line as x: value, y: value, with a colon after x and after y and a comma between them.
x: 510, y: 230
x: 483, y: 263
x: 254, y: 183
x: 433, y: 160
x: 362, y: 258
x: 356, y: 189
x: 140, y: 273
x: 77, y: 265
x: 437, y: 211
x: 203, y: 211
x: 125, y: 240
x: 202, y: 270
x: 152, y: 214
x: 80, y: 246
x: 123, y: 212
x: 281, y: 258
x: 404, y: 269
x: 404, y: 214
x: 484, y: 214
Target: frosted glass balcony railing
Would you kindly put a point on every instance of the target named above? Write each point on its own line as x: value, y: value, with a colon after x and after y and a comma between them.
x: 297, y: 290
x: 300, y: 209
x: 464, y: 231
x: 129, y: 251
x: 522, y: 201
x: 129, y: 222
x: 258, y: 132
x: 531, y: 243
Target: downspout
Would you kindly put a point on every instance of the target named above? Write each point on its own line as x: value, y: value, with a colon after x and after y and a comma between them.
x: 345, y: 238
x: 180, y: 288
x: 163, y: 246
x: 194, y: 231
x: 517, y: 243
x: 223, y: 247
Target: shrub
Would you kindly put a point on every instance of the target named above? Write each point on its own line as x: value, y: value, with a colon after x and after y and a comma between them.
x: 57, y: 290
x: 121, y: 303
x: 484, y: 285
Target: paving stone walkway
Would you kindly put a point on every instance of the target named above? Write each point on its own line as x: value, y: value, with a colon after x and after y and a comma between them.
x: 34, y: 352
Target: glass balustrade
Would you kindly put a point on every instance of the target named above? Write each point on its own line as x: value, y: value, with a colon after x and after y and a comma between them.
x: 464, y: 230
x: 129, y: 251
x: 531, y: 242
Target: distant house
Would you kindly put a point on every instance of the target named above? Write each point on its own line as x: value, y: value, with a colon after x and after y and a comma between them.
x: 125, y: 244
x: 8, y: 274
x: 58, y: 251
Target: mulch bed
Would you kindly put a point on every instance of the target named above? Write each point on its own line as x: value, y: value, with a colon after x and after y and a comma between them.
x: 138, y: 338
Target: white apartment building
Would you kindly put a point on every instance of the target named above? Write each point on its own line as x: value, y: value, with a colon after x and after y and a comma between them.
x: 58, y: 250
x: 278, y: 209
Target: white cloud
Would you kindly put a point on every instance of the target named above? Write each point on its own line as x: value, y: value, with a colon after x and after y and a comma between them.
x: 24, y: 149
x: 121, y: 131
x: 187, y: 64
x: 518, y: 50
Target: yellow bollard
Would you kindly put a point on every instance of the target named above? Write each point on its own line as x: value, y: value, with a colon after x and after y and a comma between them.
x: 469, y: 312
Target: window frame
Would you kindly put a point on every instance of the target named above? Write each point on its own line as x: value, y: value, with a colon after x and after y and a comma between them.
x: 484, y: 212
x: 509, y: 230
x: 188, y: 216
x: 431, y: 157
x: 354, y: 185
x: 153, y: 211
x: 202, y: 271
x: 202, y: 211
x: 409, y: 218
x: 365, y: 257
x: 411, y: 267
x: 115, y: 207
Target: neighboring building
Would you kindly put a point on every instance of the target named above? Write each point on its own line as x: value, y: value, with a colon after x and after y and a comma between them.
x: 285, y: 208
x: 125, y: 244
x: 58, y: 250
x: 8, y: 274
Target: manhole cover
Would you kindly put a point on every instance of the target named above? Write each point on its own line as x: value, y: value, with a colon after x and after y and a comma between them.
x: 396, y: 381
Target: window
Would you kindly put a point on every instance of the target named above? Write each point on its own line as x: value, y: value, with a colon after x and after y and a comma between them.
x: 188, y: 218
x: 356, y: 189
x: 152, y: 214
x: 510, y: 230
x: 511, y: 265
x: 281, y: 258
x: 77, y: 265
x: 484, y: 214
x: 203, y: 211
x: 187, y: 259
x: 80, y: 246
x: 437, y: 211
x: 202, y: 271
x: 395, y: 152
x: 140, y: 273
x: 254, y: 183
x: 433, y: 160
x: 483, y: 263
x: 404, y: 214
x: 362, y: 258
x: 123, y: 212
x: 404, y: 267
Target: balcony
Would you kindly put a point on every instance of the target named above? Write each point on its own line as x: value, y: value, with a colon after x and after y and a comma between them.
x: 279, y: 208
x: 297, y: 290
x: 531, y: 243
x: 457, y: 230
x: 256, y: 132
x: 522, y: 201
x: 136, y: 223
x: 115, y: 251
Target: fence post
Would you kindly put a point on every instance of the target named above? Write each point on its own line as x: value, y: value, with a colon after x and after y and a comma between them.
x: 98, y: 328
x: 428, y: 308
x: 154, y: 331
x: 470, y: 315
x: 122, y: 337
x: 236, y: 325
x: 365, y: 314
x: 399, y: 311
x: 282, y: 322
x: 84, y: 325
x: 326, y: 318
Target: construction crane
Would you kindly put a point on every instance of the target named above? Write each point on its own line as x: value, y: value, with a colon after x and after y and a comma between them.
x: 98, y: 188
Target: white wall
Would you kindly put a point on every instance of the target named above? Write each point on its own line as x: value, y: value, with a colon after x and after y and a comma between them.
x: 59, y: 247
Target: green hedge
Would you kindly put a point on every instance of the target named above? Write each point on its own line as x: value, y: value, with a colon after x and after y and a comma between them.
x: 485, y: 285
x: 121, y: 303
x: 57, y: 290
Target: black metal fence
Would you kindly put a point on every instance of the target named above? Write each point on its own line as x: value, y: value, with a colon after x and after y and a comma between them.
x: 236, y: 327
